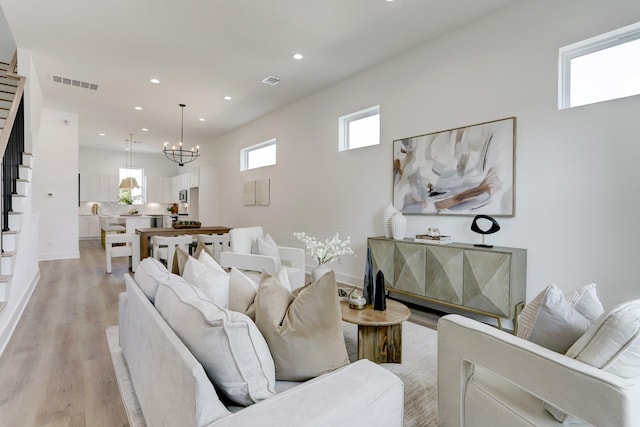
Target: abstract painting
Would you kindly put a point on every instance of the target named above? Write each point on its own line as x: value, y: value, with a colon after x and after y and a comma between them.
x: 249, y: 193
x: 262, y: 192
x: 462, y: 171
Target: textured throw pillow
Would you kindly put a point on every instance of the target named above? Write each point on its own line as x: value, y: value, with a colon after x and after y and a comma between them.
x: 550, y: 321
x: 149, y: 273
x: 202, y: 247
x: 213, y: 283
x: 585, y: 300
x: 229, y: 346
x: 180, y: 258
x: 613, y: 342
x: 304, y: 333
x: 242, y: 293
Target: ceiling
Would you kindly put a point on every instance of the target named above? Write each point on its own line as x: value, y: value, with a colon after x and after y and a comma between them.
x: 204, y: 50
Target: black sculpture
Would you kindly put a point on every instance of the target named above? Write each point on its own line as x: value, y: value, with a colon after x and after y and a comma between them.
x: 380, y: 301
x: 495, y: 227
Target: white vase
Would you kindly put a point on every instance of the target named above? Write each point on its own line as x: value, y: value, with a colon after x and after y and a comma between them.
x: 387, y: 214
x: 398, y: 226
x: 320, y: 271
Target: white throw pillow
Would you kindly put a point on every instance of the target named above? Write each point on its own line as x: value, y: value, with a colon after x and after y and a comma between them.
x: 210, y: 261
x: 268, y: 247
x: 550, y: 321
x: 242, y: 293
x: 213, y: 283
x: 229, y: 346
x: 148, y: 275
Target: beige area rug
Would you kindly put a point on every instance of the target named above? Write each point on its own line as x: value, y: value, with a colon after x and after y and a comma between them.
x: 418, y: 371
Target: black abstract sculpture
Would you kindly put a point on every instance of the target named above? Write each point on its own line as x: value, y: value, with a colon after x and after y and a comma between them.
x: 368, y: 286
x: 494, y: 227
x: 379, y: 300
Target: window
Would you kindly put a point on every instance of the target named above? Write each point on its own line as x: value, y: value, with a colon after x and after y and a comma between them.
x: 601, y: 68
x: 259, y: 155
x: 359, y: 129
x: 133, y: 196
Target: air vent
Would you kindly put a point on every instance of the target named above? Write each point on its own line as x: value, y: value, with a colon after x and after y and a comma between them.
x: 271, y: 81
x: 73, y: 82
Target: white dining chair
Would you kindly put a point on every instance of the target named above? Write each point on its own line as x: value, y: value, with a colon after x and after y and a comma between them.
x: 121, y: 245
x: 215, y: 243
x: 164, y: 247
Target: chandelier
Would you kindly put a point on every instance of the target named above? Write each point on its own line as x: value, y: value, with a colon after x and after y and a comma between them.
x: 129, y: 182
x: 179, y: 154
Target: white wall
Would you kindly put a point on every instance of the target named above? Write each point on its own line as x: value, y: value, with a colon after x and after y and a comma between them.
x: 107, y: 162
x: 575, y: 169
x: 56, y: 171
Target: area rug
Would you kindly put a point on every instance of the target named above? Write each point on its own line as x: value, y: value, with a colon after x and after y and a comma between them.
x: 418, y: 371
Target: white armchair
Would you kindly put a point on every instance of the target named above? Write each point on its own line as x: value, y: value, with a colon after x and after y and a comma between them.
x: 487, y: 377
x: 241, y: 256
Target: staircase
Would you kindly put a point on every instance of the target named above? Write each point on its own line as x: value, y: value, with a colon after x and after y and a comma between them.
x: 16, y: 173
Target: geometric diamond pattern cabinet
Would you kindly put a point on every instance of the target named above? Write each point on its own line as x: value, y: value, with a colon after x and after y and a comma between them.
x: 488, y: 281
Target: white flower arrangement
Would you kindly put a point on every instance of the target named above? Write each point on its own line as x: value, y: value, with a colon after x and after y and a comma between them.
x: 327, y: 251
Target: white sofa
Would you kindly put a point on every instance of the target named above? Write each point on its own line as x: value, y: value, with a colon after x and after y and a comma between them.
x: 174, y: 390
x: 487, y: 377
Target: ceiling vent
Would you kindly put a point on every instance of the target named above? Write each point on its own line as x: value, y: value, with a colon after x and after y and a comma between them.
x: 271, y: 81
x: 73, y: 82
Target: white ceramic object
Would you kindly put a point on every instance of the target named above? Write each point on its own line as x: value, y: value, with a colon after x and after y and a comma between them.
x: 387, y: 214
x: 320, y: 271
x: 398, y: 226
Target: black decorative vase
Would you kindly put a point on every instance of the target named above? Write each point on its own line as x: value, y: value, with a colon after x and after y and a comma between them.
x: 367, y: 286
x: 379, y: 300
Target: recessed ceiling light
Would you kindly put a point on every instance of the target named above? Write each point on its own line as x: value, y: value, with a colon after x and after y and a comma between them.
x: 137, y: 108
x: 298, y: 56
x: 202, y: 119
x: 144, y: 130
x: 101, y: 134
x: 154, y: 81
x: 227, y: 98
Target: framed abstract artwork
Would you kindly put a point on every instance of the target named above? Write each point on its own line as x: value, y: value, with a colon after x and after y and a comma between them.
x: 262, y: 192
x: 464, y: 171
x: 249, y: 193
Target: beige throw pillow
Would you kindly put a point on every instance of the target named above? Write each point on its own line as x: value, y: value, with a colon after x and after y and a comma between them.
x: 229, y: 346
x: 242, y: 293
x: 304, y: 333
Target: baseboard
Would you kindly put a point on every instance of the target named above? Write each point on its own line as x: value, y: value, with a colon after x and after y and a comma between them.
x: 53, y: 256
x: 14, y: 318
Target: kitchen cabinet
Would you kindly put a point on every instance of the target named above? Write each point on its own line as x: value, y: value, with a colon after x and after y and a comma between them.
x: 487, y: 281
x: 98, y: 188
x: 88, y: 227
x: 179, y: 183
x: 159, y: 189
x: 194, y: 178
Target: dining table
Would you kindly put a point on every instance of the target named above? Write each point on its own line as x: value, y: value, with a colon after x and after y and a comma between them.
x: 146, y: 234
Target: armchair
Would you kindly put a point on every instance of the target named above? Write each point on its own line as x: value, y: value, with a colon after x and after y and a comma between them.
x: 487, y: 377
x: 243, y: 257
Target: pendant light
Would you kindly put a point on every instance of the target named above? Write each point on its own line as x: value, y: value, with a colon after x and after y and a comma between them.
x: 179, y: 154
x: 129, y: 182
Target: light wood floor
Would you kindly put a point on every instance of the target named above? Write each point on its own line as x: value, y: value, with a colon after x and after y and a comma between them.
x: 56, y: 370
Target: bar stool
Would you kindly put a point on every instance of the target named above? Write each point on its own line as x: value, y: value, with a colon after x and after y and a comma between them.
x: 164, y: 247
x: 108, y: 227
x: 119, y: 245
x: 215, y: 243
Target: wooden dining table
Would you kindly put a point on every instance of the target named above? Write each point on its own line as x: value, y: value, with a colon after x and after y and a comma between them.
x: 146, y: 233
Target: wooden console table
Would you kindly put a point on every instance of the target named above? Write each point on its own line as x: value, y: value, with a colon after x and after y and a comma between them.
x: 146, y: 233
x: 486, y: 281
x: 379, y: 332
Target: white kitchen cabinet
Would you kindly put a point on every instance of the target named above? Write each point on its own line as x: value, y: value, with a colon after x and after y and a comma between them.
x: 179, y: 183
x: 166, y: 190
x: 159, y: 189
x: 98, y: 188
x: 88, y: 227
x: 194, y: 178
